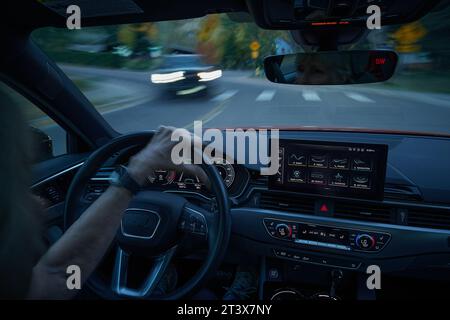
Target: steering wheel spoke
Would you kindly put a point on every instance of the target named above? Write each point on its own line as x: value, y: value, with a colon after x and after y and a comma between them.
x: 146, y: 290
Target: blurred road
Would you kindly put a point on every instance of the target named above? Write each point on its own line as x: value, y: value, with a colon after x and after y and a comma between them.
x: 251, y: 102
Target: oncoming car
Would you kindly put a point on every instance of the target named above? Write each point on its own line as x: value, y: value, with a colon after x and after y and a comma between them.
x: 185, y: 74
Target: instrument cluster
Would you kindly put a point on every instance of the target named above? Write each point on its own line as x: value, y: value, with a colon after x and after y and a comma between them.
x: 171, y: 179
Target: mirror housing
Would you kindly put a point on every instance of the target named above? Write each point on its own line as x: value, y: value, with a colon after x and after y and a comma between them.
x: 331, y: 67
x: 315, y: 14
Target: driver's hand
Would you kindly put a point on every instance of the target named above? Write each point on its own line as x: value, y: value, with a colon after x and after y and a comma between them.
x: 157, y: 155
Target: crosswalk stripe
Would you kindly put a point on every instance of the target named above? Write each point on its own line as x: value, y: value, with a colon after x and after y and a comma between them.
x: 311, y: 96
x: 359, y: 97
x: 266, y: 95
x: 225, y: 95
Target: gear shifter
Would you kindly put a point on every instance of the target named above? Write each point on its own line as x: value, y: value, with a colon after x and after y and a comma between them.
x: 336, y: 277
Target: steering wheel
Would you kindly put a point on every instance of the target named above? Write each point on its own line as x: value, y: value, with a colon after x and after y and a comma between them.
x: 153, y: 225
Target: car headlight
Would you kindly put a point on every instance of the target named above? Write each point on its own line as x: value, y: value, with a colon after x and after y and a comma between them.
x: 208, y: 76
x: 167, y: 77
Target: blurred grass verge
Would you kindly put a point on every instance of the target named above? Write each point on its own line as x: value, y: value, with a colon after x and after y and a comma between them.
x: 425, y: 81
x: 92, y: 87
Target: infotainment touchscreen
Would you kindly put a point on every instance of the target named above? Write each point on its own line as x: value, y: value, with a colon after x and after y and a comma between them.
x: 332, y: 168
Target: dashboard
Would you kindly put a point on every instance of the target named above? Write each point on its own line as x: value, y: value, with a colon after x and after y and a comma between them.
x: 399, y: 218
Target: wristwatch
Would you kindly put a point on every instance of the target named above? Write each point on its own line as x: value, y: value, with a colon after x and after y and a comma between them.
x: 121, y: 178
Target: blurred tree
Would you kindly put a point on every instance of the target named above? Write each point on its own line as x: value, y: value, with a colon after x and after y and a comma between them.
x: 138, y: 37
x: 207, y: 27
x: 208, y: 37
x: 220, y: 39
x: 436, y: 42
x: 408, y: 37
x: 236, y: 40
x: 126, y: 35
x: 429, y: 36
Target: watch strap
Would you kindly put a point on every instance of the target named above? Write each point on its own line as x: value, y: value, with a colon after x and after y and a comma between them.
x: 125, y: 180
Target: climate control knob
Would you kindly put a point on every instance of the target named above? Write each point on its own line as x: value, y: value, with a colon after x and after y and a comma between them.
x: 283, y: 230
x: 365, y: 241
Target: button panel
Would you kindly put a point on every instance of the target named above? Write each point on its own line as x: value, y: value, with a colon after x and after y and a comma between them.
x: 192, y: 221
x: 326, y: 236
x: 313, y: 259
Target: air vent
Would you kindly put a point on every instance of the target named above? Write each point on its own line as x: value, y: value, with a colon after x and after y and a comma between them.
x: 429, y: 218
x: 257, y: 179
x: 53, y: 194
x: 284, y: 202
x: 362, y: 212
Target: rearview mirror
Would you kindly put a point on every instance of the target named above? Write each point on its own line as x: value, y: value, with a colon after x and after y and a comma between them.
x: 331, y: 67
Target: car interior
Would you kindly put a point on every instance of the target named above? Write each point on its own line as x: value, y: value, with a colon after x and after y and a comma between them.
x: 344, y: 198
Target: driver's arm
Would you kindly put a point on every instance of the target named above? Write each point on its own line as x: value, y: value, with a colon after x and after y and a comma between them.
x: 87, y: 240
x: 84, y: 244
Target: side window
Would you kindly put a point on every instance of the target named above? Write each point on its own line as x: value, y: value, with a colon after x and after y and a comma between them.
x: 47, y: 137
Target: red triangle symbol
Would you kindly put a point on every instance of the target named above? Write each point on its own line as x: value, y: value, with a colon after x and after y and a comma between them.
x: 324, y: 208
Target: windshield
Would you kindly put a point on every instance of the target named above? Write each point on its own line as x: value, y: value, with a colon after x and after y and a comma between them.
x: 216, y: 76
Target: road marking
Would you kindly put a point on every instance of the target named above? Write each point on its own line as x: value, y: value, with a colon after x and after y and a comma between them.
x: 266, y: 95
x: 359, y: 97
x: 225, y: 96
x: 129, y: 103
x: 209, y: 116
x: 311, y: 96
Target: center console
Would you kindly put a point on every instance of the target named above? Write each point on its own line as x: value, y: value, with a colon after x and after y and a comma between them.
x: 332, y: 171
x: 304, y: 224
x: 335, y: 170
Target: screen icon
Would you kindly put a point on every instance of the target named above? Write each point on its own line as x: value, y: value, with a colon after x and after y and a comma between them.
x: 297, y: 176
x: 318, y: 161
x: 297, y: 160
x: 360, y: 181
x: 339, y: 163
x: 339, y: 179
x: 318, y: 178
x: 361, y: 164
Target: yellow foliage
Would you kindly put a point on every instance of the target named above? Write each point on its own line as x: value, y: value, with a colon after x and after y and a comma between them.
x: 152, y: 31
x: 127, y: 36
x: 408, y: 35
x: 207, y: 27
